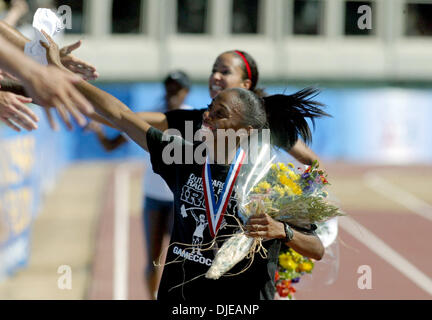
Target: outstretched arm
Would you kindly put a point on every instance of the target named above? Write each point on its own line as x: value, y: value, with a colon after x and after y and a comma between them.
x: 105, y: 104
x: 155, y: 119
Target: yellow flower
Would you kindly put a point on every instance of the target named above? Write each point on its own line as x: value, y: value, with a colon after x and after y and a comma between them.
x: 306, y: 266
x: 282, y: 167
x: 261, y: 187
x: 284, y: 179
x: 264, y: 185
x: 279, y: 190
x: 293, y: 175
x: 295, y: 255
x: 288, y: 191
x: 286, y: 262
x: 290, y: 165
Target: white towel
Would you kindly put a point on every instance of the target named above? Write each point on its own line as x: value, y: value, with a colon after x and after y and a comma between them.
x: 46, y: 20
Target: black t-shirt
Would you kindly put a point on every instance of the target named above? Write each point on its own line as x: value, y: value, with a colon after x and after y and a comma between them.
x: 177, y: 119
x: 183, y: 276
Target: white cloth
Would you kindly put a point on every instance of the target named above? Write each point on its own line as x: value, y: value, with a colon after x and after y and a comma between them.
x: 46, y: 20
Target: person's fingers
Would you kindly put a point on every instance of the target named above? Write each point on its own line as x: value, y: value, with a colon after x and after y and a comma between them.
x: 62, y: 112
x: 256, y: 234
x: 52, y: 123
x: 22, y: 107
x: 256, y: 227
x: 68, y: 49
x: 50, y: 40
x: 23, y: 99
x: 24, y: 122
x: 258, y: 220
x: 44, y: 44
x: 74, y: 112
x: 10, y: 124
x: 21, y: 118
x: 80, y: 102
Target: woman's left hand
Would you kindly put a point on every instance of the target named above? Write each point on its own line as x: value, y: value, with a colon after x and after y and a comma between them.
x: 264, y: 226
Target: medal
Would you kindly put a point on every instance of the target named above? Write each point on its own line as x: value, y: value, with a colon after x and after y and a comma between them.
x: 215, y: 211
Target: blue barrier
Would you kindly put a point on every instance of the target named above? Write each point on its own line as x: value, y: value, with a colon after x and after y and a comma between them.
x: 384, y: 125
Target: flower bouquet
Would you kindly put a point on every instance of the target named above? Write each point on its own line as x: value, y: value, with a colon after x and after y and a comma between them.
x: 287, y: 194
x: 291, y: 267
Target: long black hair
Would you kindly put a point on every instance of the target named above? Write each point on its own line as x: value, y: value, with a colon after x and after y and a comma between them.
x: 284, y: 115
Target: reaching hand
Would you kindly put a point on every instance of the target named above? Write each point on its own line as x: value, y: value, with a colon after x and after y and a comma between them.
x: 78, y: 66
x: 14, y: 113
x: 53, y: 87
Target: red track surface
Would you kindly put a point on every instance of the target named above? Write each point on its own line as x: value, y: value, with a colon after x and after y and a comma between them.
x: 404, y: 231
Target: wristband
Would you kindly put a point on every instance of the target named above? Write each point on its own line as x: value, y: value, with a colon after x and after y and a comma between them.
x: 289, y: 234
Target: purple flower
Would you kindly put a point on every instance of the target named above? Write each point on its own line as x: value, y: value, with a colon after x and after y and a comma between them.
x: 305, y: 175
x: 295, y: 280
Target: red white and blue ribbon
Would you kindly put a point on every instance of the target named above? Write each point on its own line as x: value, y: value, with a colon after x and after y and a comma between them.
x: 215, y: 211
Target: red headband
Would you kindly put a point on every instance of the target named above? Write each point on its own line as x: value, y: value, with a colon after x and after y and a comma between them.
x: 246, y: 63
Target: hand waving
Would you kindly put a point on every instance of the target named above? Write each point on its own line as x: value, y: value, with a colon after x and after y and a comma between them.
x: 15, y: 114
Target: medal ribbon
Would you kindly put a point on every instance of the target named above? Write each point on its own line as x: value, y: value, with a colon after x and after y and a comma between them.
x: 215, y: 211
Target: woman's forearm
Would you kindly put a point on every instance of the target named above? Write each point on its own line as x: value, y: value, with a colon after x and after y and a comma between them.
x: 13, y: 36
x: 155, y: 119
x: 307, y: 245
x: 116, y: 112
x: 15, y: 61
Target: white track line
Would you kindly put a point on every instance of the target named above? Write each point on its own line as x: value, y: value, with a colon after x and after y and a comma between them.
x: 404, y: 198
x: 384, y: 251
x: 121, y: 233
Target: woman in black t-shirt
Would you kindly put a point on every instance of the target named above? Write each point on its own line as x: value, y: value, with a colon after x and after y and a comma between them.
x: 231, y: 109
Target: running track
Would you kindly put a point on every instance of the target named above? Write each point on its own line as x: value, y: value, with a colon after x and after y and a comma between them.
x: 389, y: 230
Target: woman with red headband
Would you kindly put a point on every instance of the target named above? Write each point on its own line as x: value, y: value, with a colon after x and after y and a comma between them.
x: 232, y: 69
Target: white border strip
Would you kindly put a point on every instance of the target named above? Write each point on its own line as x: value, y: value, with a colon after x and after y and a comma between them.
x: 404, y: 198
x: 121, y: 233
x: 384, y: 251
